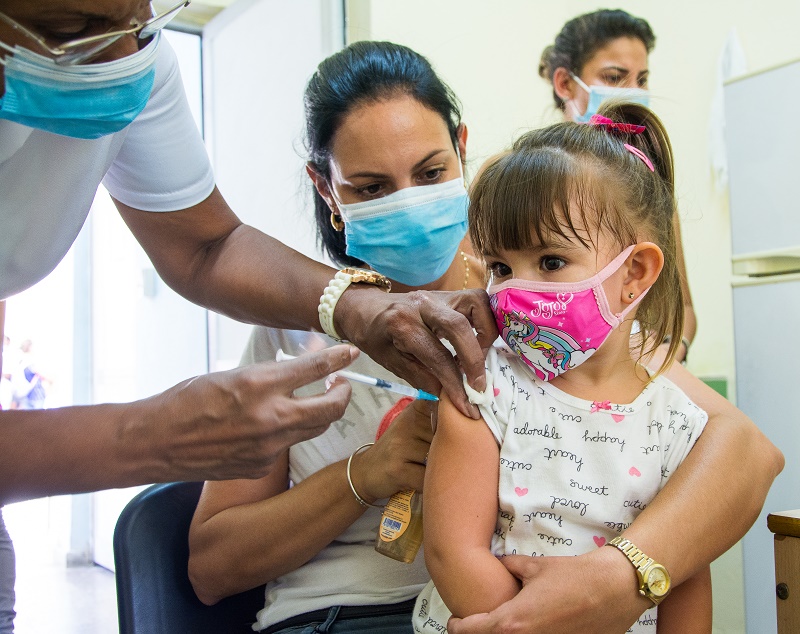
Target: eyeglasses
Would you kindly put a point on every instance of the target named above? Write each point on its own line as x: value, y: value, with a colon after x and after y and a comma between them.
x: 85, y: 48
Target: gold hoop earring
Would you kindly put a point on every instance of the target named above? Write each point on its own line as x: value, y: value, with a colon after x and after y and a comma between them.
x: 336, y: 222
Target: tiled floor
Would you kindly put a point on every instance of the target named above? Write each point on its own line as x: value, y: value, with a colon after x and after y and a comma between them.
x: 50, y: 596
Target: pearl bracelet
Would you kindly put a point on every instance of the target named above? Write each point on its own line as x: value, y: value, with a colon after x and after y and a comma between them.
x: 338, y: 285
x: 327, y: 303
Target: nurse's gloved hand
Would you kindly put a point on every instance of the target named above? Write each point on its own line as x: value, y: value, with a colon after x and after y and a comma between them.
x: 401, y: 331
x: 233, y: 424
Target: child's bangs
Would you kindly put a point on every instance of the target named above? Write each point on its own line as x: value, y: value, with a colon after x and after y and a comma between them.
x: 529, y: 193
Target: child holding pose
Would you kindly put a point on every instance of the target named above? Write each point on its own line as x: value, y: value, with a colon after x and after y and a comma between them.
x: 575, y: 226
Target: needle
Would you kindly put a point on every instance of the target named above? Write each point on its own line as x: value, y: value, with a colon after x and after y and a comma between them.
x: 371, y: 380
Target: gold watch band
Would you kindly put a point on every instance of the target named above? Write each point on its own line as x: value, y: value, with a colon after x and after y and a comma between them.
x: 365, y: 276
x: 634, y: 555
x: 654, y: 579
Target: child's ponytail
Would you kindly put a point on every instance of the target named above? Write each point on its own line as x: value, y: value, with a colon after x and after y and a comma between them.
x: 653, y: 141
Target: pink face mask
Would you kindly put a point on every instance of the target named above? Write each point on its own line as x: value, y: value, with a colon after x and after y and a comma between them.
x: 555, y: 327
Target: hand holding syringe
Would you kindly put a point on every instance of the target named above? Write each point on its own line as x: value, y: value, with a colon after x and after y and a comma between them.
x: 398, y: 388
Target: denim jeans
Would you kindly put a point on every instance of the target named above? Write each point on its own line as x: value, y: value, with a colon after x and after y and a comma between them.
x: 380, y: 624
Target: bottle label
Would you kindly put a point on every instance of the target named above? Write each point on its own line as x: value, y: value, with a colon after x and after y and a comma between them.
x: 396, y: 516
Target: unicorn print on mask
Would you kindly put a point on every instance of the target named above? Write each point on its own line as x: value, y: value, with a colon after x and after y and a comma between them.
x: 548, y: 351
x: 556, y: 326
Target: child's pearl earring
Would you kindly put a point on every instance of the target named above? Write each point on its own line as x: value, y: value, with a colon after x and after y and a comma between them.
x: 631, y: 295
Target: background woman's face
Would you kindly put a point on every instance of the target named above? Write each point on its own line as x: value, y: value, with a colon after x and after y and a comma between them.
x: 387, y: 145
x: 621, y: 63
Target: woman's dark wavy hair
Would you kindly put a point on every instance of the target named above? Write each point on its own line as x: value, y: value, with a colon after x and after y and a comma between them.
x: 583, y: 36
x: 578, y: 181
x: 361, y: 73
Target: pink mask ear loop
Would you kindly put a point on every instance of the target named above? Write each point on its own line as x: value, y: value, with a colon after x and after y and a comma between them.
x: 639, y: 154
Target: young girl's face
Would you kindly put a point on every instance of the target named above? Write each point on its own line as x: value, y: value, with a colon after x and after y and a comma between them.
x: 560, y: 258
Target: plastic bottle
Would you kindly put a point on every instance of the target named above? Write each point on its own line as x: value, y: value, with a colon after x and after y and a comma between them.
x: 400, y: 530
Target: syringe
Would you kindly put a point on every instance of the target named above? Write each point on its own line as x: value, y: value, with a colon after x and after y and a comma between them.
x: 397, y: 388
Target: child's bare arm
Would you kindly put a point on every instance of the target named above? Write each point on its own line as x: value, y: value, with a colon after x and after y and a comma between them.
x: 460, y: 496
x: 687, y: 610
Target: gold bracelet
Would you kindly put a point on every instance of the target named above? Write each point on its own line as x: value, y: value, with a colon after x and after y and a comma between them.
x: 361, y: 501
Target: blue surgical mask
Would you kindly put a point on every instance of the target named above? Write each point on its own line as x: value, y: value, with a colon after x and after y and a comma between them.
x: 84, y: 101
x: 411, y: 235
x: 599, y: 94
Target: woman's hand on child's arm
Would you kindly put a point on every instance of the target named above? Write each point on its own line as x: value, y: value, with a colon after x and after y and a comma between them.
x: 595, y: 593
x: 687, y: 609
x: 461, y: 487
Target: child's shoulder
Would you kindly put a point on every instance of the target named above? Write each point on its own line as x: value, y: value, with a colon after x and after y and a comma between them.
x: 505, y: 367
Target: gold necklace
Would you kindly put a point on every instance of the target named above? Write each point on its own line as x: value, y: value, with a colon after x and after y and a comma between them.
x: 466, y: 269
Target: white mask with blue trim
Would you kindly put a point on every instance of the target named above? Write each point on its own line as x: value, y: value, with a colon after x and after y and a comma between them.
x: 598, y: 94
x: 411, y: 235
x: 85, y: 101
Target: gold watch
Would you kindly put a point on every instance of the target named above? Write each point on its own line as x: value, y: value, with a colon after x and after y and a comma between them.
x: 365, y: 276
x: 654, y: 581
x: 337, y: 286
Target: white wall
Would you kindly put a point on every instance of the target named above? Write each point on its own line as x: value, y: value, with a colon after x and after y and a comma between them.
x: 489, y: 52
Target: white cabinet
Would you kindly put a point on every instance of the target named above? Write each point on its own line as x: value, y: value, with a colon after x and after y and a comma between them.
x: 765, y: 243
x: 765, y: 318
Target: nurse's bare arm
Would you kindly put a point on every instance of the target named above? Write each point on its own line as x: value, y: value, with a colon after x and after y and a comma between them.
x: 210, y: 257
x: 717, y: 492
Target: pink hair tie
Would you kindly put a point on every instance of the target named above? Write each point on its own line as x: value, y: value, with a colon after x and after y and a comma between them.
x: 639, y: 154
x: 599, y: 120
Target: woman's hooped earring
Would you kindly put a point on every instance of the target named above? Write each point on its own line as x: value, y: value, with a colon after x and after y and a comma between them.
x: 336, y: 222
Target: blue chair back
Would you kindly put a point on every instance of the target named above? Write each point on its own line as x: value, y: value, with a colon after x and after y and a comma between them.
x: 151, y: 554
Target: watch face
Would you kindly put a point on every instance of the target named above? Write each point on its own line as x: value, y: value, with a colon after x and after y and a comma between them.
x: 658, y: 581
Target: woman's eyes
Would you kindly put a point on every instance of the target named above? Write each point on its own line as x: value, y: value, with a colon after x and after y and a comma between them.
x: 432, y: 174
x: 617, y: 79
x: 373, y: 189
x: 613, y: 80
x: 426, y: 177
